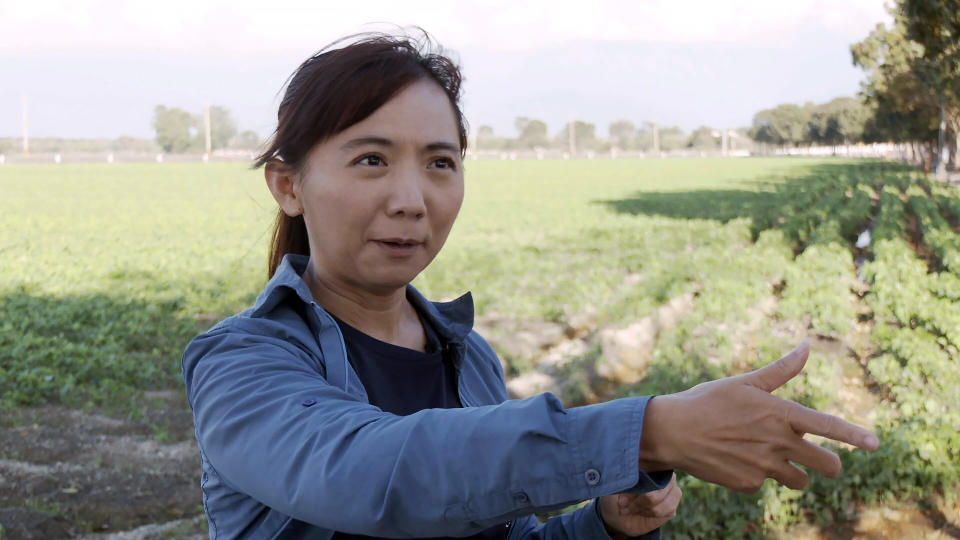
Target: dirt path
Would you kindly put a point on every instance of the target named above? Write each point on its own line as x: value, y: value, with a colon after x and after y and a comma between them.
x: 66, y: 473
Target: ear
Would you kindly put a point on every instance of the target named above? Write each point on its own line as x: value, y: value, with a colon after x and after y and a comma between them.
x: 284, y: 185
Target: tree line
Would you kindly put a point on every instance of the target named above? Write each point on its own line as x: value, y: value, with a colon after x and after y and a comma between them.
x: 913, y: 78
x: 911, y: 95
x: 623, y: 134
x: 178, y: 130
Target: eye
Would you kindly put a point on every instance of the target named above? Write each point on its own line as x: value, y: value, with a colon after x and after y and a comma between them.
x: 371, y: 160
x: 443, y: 163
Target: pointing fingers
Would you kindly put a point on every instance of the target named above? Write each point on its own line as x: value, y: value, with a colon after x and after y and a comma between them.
x: 805, y: 420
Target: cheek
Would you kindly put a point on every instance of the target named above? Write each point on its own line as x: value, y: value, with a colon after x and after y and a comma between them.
x: 451, y: 201
x: 338, y: 218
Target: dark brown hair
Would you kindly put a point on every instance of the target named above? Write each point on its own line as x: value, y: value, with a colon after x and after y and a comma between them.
x: 338, y: 87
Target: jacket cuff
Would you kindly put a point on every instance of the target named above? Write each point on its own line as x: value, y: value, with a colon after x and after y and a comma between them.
x: 651, y: 482
x: 620, y: 424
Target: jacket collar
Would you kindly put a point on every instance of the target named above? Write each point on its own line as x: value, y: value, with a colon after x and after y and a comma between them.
x: 452, y: 320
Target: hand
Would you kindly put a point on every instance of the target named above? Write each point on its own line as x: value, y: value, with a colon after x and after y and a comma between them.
x: 626, y: 514
x: 733, y: 432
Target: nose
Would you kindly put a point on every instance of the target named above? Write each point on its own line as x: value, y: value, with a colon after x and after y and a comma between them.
x: 406, y: 195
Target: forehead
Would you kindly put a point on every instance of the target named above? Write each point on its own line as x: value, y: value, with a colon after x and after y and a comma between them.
x: 421, y: 113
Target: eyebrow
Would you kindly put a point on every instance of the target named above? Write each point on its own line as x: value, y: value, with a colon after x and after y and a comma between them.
x: 380, y: 141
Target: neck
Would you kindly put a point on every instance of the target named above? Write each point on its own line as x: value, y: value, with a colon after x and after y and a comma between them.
x: 384, y: 315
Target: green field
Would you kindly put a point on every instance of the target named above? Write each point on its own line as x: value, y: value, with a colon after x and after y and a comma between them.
x: 107, y: 271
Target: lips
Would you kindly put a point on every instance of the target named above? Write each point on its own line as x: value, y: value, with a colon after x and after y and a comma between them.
x: 398, y: 246
x: 399, y: 241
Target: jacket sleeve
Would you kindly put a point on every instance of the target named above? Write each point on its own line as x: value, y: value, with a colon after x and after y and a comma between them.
x: 273, y: 428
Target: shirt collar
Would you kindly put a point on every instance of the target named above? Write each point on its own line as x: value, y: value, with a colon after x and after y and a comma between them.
x: 452, y: 320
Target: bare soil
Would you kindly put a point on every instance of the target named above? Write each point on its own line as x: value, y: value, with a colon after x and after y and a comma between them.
x: 67, y: 473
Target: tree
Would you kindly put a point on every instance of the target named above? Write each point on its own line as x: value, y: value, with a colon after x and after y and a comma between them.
x: 702, y: 138
x: 839, y: 121
x: 222, y: 127
x: 935, y: 26
x: 652, y: 137
x: 584, y: 136
x: 247, y: 140
x: 671, y: 138
x: 126, y: 143
x: 622, y: 133
x: 173, y: 128
x: 486, y: 140
x: 783, y: 124
x: 906, y: 107
x: 532, y: 133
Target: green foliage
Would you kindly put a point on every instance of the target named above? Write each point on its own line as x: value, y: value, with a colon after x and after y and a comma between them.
x: 50, y: 145
x: 223, y: 128
x: 702, y: 138
x: 904, y: 84
x: 532, y: 133
x: 622, y: 133
x: 178, y: 131
x: 108, y: 270
x: 720, y: 513
x: 818, y: 289
x: 839, y: 121
x: 583, y: 134
x: 784, y: 124
x: 174, y: 128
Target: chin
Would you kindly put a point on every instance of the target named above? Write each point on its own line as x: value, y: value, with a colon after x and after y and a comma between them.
x: 390, y: 282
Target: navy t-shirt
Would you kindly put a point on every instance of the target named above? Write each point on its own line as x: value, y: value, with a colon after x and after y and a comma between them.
x: 403, y: 381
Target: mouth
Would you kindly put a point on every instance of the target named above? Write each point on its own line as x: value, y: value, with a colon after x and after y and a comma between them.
x: 399, y: 247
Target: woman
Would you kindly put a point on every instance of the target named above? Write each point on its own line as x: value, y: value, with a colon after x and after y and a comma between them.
x: 343, y: 403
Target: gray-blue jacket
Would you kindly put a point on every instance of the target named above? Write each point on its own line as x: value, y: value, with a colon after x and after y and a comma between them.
x: 290, y: 447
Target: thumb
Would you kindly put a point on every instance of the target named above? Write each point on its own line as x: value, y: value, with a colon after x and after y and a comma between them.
x: 776, y: 374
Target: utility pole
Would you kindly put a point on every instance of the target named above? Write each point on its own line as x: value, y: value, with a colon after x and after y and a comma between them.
x: 725, y: 142
x: 26, y: 137
x: 206, y: 127
x: 941, y: 170
x: 656, y: 139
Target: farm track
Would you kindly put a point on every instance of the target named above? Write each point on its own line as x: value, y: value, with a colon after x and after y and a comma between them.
x: 67, y: 473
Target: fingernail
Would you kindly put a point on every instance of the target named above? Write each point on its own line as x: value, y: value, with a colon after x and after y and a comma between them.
x: 871, y: 441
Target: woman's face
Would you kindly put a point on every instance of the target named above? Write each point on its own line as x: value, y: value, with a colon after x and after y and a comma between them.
x: 380, y: 197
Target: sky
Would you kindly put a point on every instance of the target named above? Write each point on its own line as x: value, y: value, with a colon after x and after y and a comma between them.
x: 93, y: 68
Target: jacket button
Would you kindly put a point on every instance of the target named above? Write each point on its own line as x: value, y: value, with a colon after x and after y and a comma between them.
x: 592, y: 476
x: 309, y: 402
x: 521, y: 498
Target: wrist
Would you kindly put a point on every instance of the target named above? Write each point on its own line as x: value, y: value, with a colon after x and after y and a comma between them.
x: 612, y: 532
x: 657, y: 450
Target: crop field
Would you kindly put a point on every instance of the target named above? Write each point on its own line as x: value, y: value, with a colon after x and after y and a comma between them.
x: 592, y: 279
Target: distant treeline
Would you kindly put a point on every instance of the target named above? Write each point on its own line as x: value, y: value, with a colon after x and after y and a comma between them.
x: 911, y: 96
x: 58, y: 145
x: 581, y: 136
x: 844, y: 120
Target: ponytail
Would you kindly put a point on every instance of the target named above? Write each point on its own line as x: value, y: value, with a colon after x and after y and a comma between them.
x: 289, y: 236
